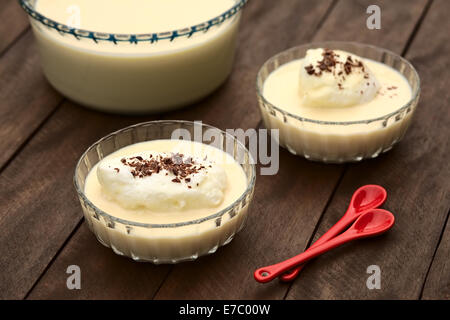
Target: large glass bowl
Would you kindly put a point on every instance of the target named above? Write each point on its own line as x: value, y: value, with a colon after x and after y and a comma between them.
x: 165, y: 243
x: 327, y: 141
x: 136, y: 73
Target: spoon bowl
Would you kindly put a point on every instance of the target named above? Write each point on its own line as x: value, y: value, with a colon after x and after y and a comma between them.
x: 367, y: 197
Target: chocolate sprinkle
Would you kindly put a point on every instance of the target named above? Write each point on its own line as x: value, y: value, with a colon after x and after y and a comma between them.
x: 329, y: 64
x: 350, y: 64
x: 310, y: 69
x: 175, y: 164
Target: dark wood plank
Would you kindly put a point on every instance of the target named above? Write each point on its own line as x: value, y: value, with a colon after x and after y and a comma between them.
x: 26, y: 99
x: 267, y: 28
x: 13, y: 22
x: 233, y: 105
x: 415, y: 174
x: 119, y: 276
x: 437, y: 285
x: 281, y: 220
x: 349, y: 21
x: 38, y: 205
x: 286, y: 207
x: 305, y: 194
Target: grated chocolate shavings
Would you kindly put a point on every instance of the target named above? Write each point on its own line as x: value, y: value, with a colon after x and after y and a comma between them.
x: 176, y: 164
x: 350, y: 64
x: 310, y: 69
x: 329, y: 64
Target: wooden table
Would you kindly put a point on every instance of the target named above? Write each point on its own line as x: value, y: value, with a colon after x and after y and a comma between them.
x: 42, y: 135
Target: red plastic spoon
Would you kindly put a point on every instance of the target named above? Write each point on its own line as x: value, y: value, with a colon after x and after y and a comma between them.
x: 370, y: 223
x: 366, y: 197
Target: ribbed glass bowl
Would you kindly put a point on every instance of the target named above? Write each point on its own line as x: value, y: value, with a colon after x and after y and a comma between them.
x: 165, y: 243
x: 327, y: 141
x: 136, y: 73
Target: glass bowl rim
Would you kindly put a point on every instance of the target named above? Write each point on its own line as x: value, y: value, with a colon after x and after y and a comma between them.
x: 324, y: 44
x: 128, y: 37
x: 248, y: 190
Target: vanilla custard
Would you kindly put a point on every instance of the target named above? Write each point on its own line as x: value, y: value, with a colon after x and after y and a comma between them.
x: 345, y: 105
x: 337, y: 96
x: 161, y: 196
x: 137, y: 77
x: 173, y: 185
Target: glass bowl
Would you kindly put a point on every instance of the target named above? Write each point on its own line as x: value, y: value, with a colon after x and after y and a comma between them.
x: 165, y: 243
x: 136, y: 73
x: 326, y: 141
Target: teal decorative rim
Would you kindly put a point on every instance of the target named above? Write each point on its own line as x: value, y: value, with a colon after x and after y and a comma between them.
x: 28, y: 6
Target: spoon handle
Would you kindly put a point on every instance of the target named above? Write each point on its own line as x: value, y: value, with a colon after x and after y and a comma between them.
x: 378, y: 196
x: 266, y: 274
x: 340, y: 226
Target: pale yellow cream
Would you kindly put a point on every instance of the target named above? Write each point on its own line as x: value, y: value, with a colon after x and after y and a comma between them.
x: 235, y: 187
x: 169, y: 244
x: 132, y: 16
x: 332, y: 141
x: 281, y: 89
x: 140, y: 77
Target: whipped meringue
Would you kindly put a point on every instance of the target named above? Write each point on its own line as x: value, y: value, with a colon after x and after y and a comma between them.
x: 161, y: 181
x: 335, y: 78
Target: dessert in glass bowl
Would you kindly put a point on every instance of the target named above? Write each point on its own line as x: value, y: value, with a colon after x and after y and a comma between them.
x: 152, y: 197
x: 135, y: 56
x: 338, y: 101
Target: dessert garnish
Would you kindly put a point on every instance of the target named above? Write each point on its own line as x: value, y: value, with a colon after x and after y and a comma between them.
x: 334, y: 78
x: 373, y: 196
x: 329, y: 62
x: 181, y: 167
x: 162, y: 181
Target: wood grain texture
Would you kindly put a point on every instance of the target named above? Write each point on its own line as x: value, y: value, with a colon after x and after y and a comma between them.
x: 283, y: 216
x: 26, y: 99
x: 437, y: 285
x: 267, y: 27
x: 118, y: 276
x: 415, y: 174
x: 40, y: 215
x: 398, y: 20
x: 13, y: 23
x: 38, y: 205
x: 226, y: 108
